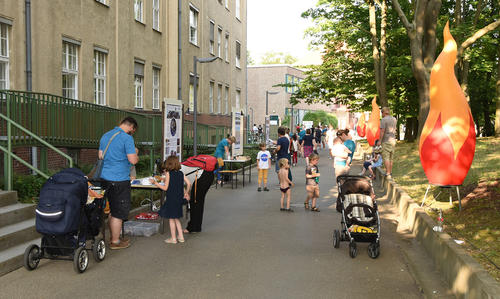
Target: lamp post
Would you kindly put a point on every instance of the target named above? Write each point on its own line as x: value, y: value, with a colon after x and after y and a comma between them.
x: 195, y: 102
x: 267, y: 99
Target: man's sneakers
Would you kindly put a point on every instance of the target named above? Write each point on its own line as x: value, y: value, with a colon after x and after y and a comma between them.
x: 259, y: 189
x: 265, y: 189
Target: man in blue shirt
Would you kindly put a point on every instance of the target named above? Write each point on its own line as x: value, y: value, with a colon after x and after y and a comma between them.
x: 222, y: 150
x: 119, y: 156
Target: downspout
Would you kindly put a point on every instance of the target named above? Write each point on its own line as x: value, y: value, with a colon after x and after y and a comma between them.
x: 246, y: 73
x: 29, y: 86
x: 179, y: 45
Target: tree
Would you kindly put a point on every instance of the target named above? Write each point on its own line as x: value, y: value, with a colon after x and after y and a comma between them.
x: 250, y: 60
x: 421, y: 32
x: 277, y: 58
x: 322, y: 117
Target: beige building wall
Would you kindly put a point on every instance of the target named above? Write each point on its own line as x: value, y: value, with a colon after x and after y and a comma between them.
x: 110, y: 27
x: 264, y: 78
x: 220, y: 71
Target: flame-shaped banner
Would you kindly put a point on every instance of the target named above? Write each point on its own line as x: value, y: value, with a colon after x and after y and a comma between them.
x: 361, y: 127
x: 448, y: 138
x: 373, y: 126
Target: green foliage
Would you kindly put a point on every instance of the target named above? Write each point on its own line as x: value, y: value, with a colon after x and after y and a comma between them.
x: 277, y: 58
x: 321, y: 117
x: 28, y: 187
x: 252, y: 152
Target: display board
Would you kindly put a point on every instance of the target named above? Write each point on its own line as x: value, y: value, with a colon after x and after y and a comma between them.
x: 237, y: 132
x: 172, y: 128
x: 266, y: 129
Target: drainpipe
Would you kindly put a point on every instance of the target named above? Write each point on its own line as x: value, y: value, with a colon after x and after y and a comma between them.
x: 29, y: 87
x: 179, y: 45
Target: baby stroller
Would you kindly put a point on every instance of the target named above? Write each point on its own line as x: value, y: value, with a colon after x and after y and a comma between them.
x: 66, y: 220
x: 360, y: 220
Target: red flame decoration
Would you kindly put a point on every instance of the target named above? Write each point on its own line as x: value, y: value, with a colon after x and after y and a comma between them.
x: 448, y: 138
x: 361, y: 127
x: 373, y: 127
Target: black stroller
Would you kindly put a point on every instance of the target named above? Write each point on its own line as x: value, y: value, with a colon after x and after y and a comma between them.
x: 360, y: 219
x: 66, y: 221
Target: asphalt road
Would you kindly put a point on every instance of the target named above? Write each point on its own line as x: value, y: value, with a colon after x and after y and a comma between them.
x: 248, y: 249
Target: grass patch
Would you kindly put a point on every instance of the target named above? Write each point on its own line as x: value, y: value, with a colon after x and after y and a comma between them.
x: 478, y: 224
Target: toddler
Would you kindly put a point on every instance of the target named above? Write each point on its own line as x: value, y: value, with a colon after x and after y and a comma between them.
x: 312, y: 182
x: 285, y: 184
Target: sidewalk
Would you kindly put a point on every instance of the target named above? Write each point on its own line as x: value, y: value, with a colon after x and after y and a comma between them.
x: 248, y: 249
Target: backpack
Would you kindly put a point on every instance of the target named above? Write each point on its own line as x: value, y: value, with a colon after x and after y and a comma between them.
x: 61, y: 199
x: 205, y: 162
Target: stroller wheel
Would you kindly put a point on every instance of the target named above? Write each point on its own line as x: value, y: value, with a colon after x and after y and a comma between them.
x: 336, y: 238
x: 99, y: 250
x: 32, y: 257
x: 374, y: 250
x: 353, y: 251
x: 80, y: 260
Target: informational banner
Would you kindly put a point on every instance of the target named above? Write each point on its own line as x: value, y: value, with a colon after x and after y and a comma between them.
x: 267, y: 124
x: 237, y: 132
x: 308, y: 123
x: 172, y: 128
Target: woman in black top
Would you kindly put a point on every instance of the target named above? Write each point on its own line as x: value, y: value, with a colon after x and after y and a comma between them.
x: 308, y: 144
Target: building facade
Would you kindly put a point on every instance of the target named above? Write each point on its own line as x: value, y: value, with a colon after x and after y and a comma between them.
x: 214, y: 29
x: 264, y: 78
x: 122, y: 54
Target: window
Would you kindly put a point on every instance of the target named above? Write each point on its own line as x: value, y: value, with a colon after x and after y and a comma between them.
x: 238, y: 97
x: 105, y: 2
x: 226, y: 3
x: 288, y: 80
x: 237, y: 8
x: 219, y: 42
x: 238, y: 54
x: 211, y: 98
x: 138, y: 10
x: 226, y: 47
x: 226, y: 101
x: 156, y: 15
x: 70, y: 70
x: 219, y: 98
x: 156, y: 87
x: 99, y: 77
x: 212, y: 39
x: 4, y: 56
x: 193, y: 25
x: 138, y: 84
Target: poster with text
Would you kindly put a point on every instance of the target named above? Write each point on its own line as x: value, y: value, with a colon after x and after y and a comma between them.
x: 172, y: 129
x: 237, y: 132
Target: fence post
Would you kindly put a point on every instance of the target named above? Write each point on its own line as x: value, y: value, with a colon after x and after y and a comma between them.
x: 151, y: 152
x: 43, y: 159
x: 8, y: 162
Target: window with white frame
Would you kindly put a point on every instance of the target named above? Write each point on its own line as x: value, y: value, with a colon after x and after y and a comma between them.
x: 238, y: 97
x: 226, y: 101
x: 237, y: 8
x: 138, y: 84
x: 238, y: 54
x: 4, y: 56
x: 226, y: 47
x: 211, y: 97
x: 219, y: 42
x: 193, y: 25
x: 219, y: 98
x: 99, y: 77
x: 226, y: 3
x: 156, y: 15
x: 211, y: 36
x: 156, y: 87
x: 69, y: 70
x: 139, y: 10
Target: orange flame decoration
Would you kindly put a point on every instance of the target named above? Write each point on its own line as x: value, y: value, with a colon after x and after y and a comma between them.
x: 448, y: 138
x: 361, y: 127
x: 373, y: 127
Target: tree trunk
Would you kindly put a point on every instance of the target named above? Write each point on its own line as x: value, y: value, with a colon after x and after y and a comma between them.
x: 378, y: 56
x: 383, y: 48
x: 497, y: 116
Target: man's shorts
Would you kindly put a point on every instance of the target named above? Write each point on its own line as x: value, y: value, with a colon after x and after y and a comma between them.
x: 387, y: 151
x: 118, y: 194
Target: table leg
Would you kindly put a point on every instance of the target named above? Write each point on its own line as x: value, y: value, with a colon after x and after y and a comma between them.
x: 162, y: 221
x: 243, y: 175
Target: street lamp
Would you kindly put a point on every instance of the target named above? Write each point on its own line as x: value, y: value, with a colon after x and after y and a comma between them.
x: 267, y: 98
x: 195, y: 102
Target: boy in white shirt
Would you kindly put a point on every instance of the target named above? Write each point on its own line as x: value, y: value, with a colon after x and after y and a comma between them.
x: 263, y: 165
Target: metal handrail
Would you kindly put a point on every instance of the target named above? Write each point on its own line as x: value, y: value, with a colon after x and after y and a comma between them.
x: 9, y: 154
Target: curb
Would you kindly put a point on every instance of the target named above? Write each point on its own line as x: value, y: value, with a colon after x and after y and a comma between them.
x: 466, y: 277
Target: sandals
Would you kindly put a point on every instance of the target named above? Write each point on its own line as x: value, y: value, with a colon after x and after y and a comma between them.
x: 306, y: 205
x: 171, y: 241
x: 315, y: 209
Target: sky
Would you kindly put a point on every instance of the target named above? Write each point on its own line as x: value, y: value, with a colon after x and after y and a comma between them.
x: 276, y: 25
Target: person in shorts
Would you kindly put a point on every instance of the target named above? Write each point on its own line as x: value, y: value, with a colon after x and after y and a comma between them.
x: 120, y: 156
x: 388, y: 139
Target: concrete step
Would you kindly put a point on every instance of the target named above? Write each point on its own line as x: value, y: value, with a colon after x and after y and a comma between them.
x: 18, y: 233
x: 16, y: 213
x: 7, y: 198
x: 12, y: 258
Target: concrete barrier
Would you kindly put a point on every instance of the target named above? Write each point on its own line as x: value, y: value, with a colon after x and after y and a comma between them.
x: 465, y: 276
